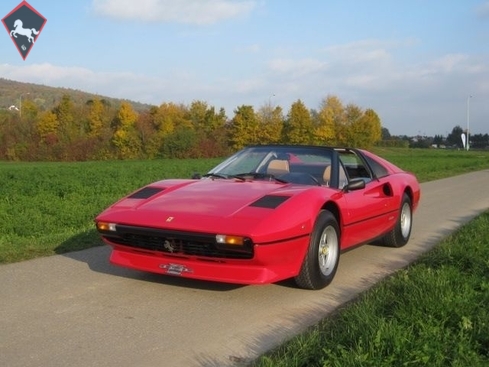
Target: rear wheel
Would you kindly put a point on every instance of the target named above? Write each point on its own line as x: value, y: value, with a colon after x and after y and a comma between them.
x: 400, y: 234
x: 322, y: 257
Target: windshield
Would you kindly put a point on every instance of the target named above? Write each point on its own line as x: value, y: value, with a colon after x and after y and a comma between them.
x: 297, y: 164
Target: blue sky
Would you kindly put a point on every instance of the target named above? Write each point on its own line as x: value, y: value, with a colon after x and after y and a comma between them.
x: 414, y: 62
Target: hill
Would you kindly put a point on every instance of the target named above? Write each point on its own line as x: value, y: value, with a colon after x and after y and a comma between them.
x: 47, y: 97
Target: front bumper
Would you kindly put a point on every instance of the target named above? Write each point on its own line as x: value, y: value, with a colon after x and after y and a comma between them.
x: 270, y: 263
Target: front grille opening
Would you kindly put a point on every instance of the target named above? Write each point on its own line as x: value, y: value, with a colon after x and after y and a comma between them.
x: 178, y: 244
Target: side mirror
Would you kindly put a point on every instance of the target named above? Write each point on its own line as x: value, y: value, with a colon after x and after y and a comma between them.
x: 355, y: 184
x: 196, y: 176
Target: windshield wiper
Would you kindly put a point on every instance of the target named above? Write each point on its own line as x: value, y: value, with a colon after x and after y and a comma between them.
x: 215, y: 175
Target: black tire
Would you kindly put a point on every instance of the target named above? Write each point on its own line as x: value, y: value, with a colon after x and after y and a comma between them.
x: 400, y: 234
x: 323, y: 255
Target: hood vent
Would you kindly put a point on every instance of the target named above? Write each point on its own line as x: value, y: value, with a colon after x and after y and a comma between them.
x: 269, y: 201
x: 145, y: 193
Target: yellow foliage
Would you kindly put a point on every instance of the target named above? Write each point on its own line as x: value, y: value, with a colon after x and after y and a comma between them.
x: 47, y: 124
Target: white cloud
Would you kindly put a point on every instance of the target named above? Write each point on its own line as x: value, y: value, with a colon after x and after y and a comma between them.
x: 297, y: 68
x: 449, y: 63
x: 370, y: 51
x: 178, y: 11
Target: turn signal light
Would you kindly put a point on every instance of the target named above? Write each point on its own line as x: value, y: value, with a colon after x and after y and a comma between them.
x: 230, y: 240
x: 104, y: 226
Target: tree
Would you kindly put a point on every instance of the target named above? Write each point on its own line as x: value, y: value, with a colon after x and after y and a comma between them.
x: 97, y: 120
x: 125, y: 138
x: 270, y: 124
x: 244, y: 127
x: 170, y: 116
x: 325, y: 127
x: 366, y: 130
x: 438, y: 140
x: 65, y: 115
x: 180, y: 143
x: 454, y: 138
x: 47, y: 127
x: 386, y: 135
x: 299, y: 128
x: 479, y: 141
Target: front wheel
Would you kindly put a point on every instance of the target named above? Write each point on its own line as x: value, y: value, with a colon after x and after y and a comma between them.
x: 400, y: 234
x: 323, y: 255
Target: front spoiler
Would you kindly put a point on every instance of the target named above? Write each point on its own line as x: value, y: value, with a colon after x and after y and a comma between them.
x: 271, y: 263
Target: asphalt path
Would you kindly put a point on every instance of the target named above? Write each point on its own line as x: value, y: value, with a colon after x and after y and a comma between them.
x: 78, y: 310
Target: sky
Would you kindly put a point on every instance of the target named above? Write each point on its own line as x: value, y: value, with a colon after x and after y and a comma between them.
x: 422, y: 66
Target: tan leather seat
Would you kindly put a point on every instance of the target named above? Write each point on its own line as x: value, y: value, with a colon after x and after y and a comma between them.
x: 278, y: 167
x: 327, y: 175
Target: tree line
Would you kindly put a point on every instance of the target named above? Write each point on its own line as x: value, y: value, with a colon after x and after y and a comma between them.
x: 99, y: 130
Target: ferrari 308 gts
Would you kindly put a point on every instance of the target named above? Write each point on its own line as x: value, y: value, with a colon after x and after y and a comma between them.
x: 265, y: 214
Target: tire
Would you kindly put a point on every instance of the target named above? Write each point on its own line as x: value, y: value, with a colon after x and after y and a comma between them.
x: 400, y: 234
x: 323, y: 255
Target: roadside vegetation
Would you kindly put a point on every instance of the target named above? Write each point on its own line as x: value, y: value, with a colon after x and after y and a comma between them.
x: 432, y: 313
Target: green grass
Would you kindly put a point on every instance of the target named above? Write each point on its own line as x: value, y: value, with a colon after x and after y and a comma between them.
x: 433, y: 313
x: 48, y: 208
x: 433, y: 164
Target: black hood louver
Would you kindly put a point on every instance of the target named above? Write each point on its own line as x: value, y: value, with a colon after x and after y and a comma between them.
x: 270, y: 201
x: 145, y: 193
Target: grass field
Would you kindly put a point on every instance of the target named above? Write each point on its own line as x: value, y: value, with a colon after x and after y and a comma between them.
x: 433, y: 313
x: 48, y: 208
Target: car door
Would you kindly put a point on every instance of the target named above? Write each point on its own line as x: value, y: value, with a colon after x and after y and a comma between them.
x: 367, y: 212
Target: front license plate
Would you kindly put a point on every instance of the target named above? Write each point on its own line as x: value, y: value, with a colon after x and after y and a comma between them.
x: 175, y: 269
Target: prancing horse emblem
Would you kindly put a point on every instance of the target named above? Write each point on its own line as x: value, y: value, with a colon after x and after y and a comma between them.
x: 18, y: 29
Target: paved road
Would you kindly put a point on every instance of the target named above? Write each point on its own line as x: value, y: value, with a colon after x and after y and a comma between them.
x: 77, y: 310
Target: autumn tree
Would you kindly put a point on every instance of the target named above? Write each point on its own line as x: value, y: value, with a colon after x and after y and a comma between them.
x: 125, y: 138
x: 298, y: 128
x: 352, y: 114
x: 169, y: 116
x: 373, y: 127
x: 328, y: 119
x: 29, y: 109
x: 270, y: 124
x: 64, y: 112
x: 148, y: 133
x: 244, y: 127
x: 47, y: 127
x: 209, y: 126
x: 97, y: 118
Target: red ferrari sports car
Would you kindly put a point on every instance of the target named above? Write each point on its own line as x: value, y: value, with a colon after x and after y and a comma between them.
x: 265, y: 214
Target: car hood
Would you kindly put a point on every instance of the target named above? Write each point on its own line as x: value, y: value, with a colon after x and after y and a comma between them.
x: 203, y: 205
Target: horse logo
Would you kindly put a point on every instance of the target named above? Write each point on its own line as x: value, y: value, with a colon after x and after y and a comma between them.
x: 18, y: 29
x: 24, y: 15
